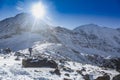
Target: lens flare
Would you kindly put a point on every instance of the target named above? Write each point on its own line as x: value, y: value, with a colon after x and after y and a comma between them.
x: 38, y: 10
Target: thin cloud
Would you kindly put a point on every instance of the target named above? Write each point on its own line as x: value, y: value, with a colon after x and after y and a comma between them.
x: 19, y: 6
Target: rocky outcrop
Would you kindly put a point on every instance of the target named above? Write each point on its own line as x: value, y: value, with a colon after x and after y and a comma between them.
x: 86, y: 77
x: 67, y: 69
x: 117, y: 77
x: 39, y: 63
x: 104, y: 77
x: 67, y: 79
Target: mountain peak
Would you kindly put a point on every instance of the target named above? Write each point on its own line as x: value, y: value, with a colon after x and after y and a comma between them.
x: 88, y: 26
x: 22, y: 21
x: 91, y: 25
x: 22, y: 14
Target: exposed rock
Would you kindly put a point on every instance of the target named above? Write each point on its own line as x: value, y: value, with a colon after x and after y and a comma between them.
x: 41, y: 78
x: 104, y: 77
x: 7, y: 50
x: 37, y: 71
x: 62, y: 61
x: 83, y: 69
x: 86, y: 77
x: 57, y: 72
x: 17, y: 58
x: 117, y: 77
x: 52, y: 64
x: 67, y: 69
x: 66, y: 74
x: 67, y: 79
x: 39, y: 63
x: 116, y: 63
x: 79, y: 72
x: 113, y: 63
x: 19, y: 54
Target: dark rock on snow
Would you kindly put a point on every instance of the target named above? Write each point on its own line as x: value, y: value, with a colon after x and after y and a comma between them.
x: 117, y: 77
x: 67, y: 69
x: 66, y: 74
x: 57, y: 72
x: 86, y: 77
x: 67, y: 79
x: 104, y: 77
x: 39, y: 63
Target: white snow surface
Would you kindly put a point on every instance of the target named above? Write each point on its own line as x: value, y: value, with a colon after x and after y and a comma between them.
x: 10, y: 69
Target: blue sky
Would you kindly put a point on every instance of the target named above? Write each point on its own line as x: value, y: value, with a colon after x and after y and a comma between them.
x: 69, y: 13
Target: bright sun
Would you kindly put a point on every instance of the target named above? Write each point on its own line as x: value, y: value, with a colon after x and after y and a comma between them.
x: 38, y: 10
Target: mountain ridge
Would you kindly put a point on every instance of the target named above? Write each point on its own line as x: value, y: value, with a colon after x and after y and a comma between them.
x: 85, y: 40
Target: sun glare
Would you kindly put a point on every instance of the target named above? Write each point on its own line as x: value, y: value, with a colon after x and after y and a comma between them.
x: 38, y: 10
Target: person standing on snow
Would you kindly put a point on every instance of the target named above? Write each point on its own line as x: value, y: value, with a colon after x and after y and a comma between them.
x: 30, y: 51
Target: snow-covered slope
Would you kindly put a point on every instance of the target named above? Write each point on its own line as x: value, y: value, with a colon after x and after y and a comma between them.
x: 11, y: 69
x: 99, y: 38
x: 22, y: 22
x: 87, y: 44
x: 22, y: 31
x: 91, y: 39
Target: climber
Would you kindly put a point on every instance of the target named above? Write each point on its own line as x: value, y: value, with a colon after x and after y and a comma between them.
x: 30, y: 51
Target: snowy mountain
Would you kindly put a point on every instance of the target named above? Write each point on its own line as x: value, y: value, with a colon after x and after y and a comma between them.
x: 99, y: 38
x: 22, y: 31
x: 83, y: 48
x: 21, y: 22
